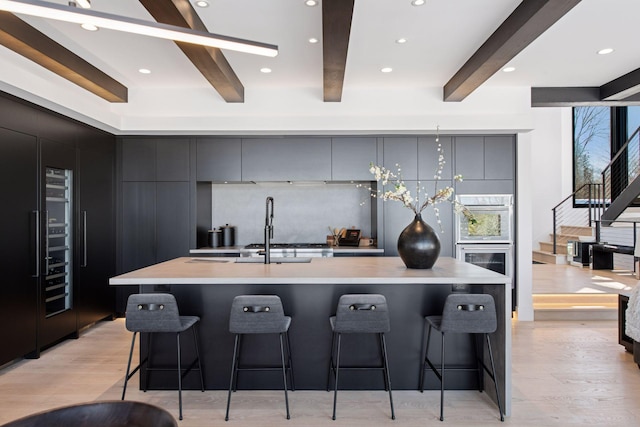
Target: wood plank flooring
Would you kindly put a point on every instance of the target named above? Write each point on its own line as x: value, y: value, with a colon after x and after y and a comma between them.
x: 565, y: 373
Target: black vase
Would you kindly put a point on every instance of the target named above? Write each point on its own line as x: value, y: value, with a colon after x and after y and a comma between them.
x: 418, y: 244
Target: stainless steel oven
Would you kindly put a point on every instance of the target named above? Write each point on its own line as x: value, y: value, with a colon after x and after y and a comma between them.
x: 498, y: 258
x: 492, y: 219
x: 488, y: 241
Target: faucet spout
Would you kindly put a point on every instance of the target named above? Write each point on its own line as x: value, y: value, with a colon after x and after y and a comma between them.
x: 268, y: 230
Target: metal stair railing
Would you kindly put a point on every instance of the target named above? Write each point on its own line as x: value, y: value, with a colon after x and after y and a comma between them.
x: 564, y: 213
x: 623, y: 168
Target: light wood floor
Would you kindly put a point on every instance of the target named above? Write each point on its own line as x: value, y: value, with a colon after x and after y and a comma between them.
x: 565, y: 373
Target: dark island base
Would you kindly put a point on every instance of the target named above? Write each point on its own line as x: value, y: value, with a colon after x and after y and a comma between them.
x: 310, y: 307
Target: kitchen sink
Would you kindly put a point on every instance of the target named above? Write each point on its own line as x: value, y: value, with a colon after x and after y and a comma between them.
x: 274, y: 260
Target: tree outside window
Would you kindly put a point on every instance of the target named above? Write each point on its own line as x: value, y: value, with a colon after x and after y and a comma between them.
x: 591, y: 147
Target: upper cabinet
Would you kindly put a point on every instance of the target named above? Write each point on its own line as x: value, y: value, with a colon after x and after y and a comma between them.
x: 218, y: 159
x: 286, y: 159
x: 402, y: 152
x: 148, y: 159
x: 499, y: 157
x: 429, y: 156
x: 351, y: 158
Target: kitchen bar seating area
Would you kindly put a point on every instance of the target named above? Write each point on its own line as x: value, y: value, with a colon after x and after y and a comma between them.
x: 310, y: 294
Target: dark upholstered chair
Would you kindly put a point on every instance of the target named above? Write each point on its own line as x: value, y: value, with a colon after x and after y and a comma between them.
x: 99, y: 414
x: 359, y: 314
x: 158, y: 313
x: 463, y: 313
x: 259, y: 314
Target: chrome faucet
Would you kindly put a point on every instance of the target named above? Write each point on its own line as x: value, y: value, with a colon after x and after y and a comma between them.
x: 268, y: 230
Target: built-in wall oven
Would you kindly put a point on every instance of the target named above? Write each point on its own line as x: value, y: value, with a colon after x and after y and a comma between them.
x: 486, y: 237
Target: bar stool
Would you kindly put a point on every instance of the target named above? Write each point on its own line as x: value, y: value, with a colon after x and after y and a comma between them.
x: 359, y: 314
x: 463, y: 313
x: 259, y: 314
x: 155, y: 313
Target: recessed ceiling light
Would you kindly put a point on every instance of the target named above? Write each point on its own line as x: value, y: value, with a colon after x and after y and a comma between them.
x: 509, y: 69
x: 386, y: 69
x: 418, y: 2
x: 265, y: 70
x: 401, y: 40
x: 202, y: 3
x: 605, y: 51
x: 89, y: 27
x: 311, y: 3
x: 313, y: 40
x: 144, y: 71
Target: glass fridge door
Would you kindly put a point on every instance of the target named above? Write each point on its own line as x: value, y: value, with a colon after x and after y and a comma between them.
x: 58, y: 279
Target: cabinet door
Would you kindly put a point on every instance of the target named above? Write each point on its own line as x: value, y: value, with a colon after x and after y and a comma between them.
x: 499, y: 157
x: 428, y: 157
x: 469, y: 157
x: 172, y: 220
x: 218, y: 159
x: 18, y: 293
x: 95, y: 234
x: 138, y: 225
x: 404, y: 153
x: 351, y: 158
x: 138, y: 159
x: 287, y: 159
x: 172, y: 160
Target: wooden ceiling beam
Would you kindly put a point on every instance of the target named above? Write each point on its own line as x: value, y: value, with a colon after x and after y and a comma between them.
x: 527, y: 22
x: 336, y: 29
x: 210, y: 61
x: 621, y: 88
x: 22, y: 38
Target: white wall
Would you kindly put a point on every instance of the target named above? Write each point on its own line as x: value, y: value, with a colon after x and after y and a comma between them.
x: 551, y: 167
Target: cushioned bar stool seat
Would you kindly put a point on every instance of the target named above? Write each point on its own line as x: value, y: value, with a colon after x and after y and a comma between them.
x: 259, y: 314
x: 99, y: 414
x: 158, y: 313
x: 359, y: 314
x: 470, y: 314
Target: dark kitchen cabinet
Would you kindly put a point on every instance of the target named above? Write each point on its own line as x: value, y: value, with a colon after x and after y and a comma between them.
x: 18, y: 293
x: 172, y: 220
x: 155, y: 204
x: 95, y: 232
x: 172, y: 160
x: 351, y: 158
x: 286, y: 159
x: 138, y: 225
x: 219, y: 159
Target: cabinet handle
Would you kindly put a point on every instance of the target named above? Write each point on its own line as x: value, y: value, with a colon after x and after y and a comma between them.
x: 84, y: 239
x: 46, y: 237
x: 36, y: 216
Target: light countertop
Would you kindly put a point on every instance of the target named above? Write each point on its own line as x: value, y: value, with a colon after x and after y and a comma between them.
x: 341, y: 270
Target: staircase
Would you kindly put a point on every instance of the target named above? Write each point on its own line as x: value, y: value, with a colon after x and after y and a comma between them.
x: 567, y: 233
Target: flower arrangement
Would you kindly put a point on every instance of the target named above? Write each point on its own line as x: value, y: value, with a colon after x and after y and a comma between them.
x: 422, y: 198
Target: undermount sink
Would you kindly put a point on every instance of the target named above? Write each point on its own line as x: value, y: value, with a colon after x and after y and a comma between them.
x: 274, y: 260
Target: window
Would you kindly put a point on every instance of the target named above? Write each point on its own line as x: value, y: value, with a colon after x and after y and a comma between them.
x: 591, y: 147
x: 633, y: 120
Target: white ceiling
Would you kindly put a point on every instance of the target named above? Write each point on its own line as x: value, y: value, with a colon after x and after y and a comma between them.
x: 441, y: 36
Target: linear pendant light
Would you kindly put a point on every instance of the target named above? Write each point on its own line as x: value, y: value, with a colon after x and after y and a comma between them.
x: 136, y: 26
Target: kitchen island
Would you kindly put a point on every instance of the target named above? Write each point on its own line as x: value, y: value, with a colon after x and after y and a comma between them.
x: 309, y: 293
